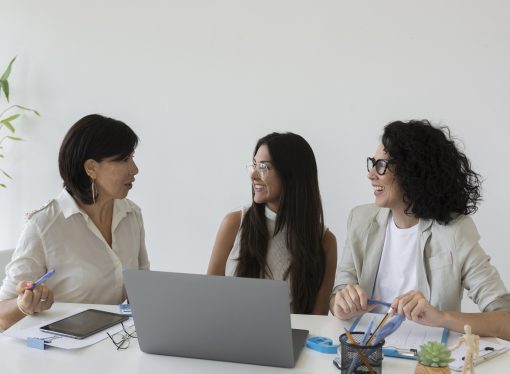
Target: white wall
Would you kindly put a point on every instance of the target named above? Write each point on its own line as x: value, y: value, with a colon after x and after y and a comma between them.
x: 201, y: 81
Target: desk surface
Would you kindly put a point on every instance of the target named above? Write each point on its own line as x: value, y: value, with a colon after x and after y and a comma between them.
x: 103, y: 357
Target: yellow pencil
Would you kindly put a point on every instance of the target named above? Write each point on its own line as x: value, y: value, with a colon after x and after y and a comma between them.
x: 383, y: 321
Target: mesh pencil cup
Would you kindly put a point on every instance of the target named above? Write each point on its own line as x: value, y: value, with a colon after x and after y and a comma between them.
x: 360, y: 358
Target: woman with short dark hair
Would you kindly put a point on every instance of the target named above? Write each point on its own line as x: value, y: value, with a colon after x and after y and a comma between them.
x: 89, y: 234
x: 417, y: 247
x: 282, y: 234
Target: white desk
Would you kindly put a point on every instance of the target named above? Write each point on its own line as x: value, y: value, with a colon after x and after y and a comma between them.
x: 16, y: 357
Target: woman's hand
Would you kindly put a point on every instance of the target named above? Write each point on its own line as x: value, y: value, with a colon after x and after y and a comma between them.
x: 33, y: 301
x: 415, y: 307
x: 351, y: 301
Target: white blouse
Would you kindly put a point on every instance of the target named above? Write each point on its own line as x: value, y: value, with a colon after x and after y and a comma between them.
x: 87, y: 270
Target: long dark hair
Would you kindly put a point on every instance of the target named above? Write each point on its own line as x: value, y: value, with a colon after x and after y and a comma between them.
x: 435, y: 176
x: 300, y: 213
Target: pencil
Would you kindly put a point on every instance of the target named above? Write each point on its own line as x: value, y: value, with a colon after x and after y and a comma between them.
x: 383, y: 321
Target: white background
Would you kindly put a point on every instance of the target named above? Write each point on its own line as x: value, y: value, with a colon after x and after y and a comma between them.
x: 201, y: 80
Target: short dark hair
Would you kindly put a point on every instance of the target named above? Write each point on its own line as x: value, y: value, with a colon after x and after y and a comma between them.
x: 92, y: 137
x: 300, y: 214
x: 435, y: 176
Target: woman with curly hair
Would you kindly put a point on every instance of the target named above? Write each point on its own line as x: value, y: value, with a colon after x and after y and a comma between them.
x: 282, y: 234
x: 417, y: 247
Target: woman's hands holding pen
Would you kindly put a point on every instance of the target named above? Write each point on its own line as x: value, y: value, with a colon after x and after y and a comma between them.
x: 415, y: 307
x: 34, y: 300
x: 351, y: 301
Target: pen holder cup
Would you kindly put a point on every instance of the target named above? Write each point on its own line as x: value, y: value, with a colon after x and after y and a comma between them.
x: 356, y: 357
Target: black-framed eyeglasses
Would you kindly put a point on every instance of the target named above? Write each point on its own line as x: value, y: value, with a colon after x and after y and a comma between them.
x: 121, y: 339
x: 380, y: 165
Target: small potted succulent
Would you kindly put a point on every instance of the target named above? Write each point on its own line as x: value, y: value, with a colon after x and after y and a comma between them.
x: 433, y: 357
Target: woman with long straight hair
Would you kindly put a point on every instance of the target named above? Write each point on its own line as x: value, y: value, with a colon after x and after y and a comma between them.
x: 282, y: 234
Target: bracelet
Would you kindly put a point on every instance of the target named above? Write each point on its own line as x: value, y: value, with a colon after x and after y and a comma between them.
x: 21, y: 308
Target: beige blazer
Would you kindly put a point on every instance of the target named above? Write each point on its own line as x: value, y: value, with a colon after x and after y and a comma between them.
x: 449, y: 260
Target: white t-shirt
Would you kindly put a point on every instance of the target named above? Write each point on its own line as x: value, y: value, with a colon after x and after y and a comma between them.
x: 397, y: 268
x: 87, y: 269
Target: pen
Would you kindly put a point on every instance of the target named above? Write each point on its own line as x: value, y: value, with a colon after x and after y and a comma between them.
x: 372, y: 301
x: 43, y: 278
x: 368, y: 331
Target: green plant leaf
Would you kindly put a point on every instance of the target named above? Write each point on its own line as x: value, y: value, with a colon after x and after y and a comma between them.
x: 8, y: 125
x: 4, y: 86
x: 7, y: 175
x: 14, y: 138
x: 7, y: 122
x: 7, y: 71
x: 11, y: 118
x: 3, y: 185
x: 28, y: 109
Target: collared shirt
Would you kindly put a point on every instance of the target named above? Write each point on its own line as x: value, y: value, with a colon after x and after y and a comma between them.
x: 87, y: 269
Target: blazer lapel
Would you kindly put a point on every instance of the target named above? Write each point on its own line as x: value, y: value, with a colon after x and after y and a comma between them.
x: 422, y: 282
x: 374, y: 242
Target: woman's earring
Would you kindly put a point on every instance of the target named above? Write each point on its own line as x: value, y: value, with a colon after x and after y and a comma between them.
x: 93, y: 188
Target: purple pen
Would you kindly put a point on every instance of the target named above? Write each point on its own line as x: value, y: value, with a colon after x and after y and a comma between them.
x: 43, y: 278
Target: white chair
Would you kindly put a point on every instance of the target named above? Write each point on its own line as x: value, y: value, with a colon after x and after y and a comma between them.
x: 5, y: 258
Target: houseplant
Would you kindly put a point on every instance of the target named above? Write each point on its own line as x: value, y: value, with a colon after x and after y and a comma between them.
x: 433, y: 357
x: 8, y: 115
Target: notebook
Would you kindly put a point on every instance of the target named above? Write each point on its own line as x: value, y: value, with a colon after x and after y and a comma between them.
x: 406, y: 341
x: 215, y: 318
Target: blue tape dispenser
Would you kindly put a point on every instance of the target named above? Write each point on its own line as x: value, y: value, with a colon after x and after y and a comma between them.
x: 321, y: 344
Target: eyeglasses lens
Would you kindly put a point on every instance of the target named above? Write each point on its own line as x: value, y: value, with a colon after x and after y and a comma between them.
x: 380, y: 165
x: 120, y: 340
x: 130, y: 331
x: 260, y: 168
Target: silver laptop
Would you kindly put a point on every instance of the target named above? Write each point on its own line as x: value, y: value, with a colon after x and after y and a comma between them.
x: 214, y: 318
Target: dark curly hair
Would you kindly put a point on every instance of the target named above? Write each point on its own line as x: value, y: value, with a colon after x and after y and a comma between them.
x: 435, y: 176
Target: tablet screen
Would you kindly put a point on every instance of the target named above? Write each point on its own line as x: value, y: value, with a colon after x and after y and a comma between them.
x: 84, y: 324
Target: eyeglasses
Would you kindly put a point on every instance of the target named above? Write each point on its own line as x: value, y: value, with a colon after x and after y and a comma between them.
x: 260, y: 167
x: 380, y: 165
x: 121, y: 339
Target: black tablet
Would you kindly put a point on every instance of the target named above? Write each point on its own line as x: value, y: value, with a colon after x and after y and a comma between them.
x: 84, y: 324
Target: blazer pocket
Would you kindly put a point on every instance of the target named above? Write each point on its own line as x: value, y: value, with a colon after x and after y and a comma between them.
x: 440, y: 261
